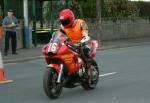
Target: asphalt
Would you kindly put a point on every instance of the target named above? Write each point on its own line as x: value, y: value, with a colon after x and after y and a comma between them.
x: 36, y: 52
x: 124, y: 78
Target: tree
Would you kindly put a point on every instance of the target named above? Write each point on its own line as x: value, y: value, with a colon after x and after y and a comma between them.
x: 144, y: 8
x: 89, y: 8
x: 120, y: 8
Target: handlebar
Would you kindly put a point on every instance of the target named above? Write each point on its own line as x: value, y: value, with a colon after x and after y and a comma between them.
x: 73, y: 47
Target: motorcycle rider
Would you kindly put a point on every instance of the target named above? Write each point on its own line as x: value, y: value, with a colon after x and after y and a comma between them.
x: 75, y: 29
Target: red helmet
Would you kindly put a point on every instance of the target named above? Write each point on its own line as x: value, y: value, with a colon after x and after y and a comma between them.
x: 66, y: 18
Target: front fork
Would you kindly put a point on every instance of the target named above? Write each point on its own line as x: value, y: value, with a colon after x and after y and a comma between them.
x: 60, y: 73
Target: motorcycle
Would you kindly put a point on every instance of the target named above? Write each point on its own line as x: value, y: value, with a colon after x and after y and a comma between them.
x: 65, y: 66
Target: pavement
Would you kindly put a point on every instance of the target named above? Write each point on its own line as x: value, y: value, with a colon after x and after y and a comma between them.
x: 36, y: 52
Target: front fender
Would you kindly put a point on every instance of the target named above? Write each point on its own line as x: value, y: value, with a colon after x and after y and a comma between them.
x: 54, y: 66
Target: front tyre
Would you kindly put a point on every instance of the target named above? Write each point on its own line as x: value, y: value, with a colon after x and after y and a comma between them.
x: 92, y: 77
x: 50, y: 85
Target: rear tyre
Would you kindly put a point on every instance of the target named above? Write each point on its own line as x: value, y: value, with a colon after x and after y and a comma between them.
x: 92, y: 77
x: 50, y: 85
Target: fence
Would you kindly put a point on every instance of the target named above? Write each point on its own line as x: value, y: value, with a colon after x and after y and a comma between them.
x: 108, y: 28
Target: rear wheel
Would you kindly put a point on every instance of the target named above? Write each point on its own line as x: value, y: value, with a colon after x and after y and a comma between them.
x: 50, y: 85
x: 92, y: 77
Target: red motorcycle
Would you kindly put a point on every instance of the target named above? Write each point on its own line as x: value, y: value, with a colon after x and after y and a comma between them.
x: 65, y: 66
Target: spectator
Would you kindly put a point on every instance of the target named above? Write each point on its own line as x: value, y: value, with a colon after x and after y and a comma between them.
x: 10, y: 23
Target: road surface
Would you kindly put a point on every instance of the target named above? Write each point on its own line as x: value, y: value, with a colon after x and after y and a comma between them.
x: 124, y: 78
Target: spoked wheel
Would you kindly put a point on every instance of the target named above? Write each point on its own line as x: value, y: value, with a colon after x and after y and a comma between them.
x: 51, y: 87
x: 92, y: 77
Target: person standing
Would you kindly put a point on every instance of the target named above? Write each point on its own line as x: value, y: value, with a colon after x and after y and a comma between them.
x: 9, y: 24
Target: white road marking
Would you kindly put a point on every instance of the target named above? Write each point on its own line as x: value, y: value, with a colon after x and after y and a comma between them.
x: 107, y: 74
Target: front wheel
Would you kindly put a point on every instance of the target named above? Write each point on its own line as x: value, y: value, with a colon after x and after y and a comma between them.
x: 50, y: 85
x: 92, y: 77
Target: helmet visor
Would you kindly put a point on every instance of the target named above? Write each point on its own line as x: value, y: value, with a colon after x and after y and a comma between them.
x: 65, y: 22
